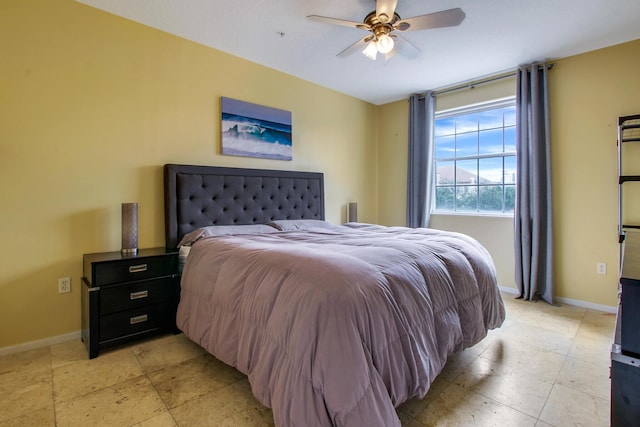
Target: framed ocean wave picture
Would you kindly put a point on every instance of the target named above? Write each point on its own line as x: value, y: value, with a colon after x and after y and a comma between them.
x: 253, y: 130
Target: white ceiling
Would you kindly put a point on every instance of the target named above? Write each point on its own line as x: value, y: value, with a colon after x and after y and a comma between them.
x: 495, y: 36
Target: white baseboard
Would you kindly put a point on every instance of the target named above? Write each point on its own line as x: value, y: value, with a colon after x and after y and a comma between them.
x: 508, y: 290
x: 76, y: 335
x: 577, y: 303
x: 4, y: 351
x: 589, y: 305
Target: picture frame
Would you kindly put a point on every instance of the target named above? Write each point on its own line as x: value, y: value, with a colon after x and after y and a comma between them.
x: 253, y: 130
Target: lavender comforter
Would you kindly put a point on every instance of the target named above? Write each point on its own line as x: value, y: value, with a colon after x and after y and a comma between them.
x: 337, y: 328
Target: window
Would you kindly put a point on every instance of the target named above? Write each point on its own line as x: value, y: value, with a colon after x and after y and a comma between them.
x: 475, y: 159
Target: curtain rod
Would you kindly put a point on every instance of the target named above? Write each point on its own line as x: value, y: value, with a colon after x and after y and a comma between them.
x: 473, y: 83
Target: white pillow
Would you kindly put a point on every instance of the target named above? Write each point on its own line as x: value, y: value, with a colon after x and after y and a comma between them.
x: 299, y: 224
x: 221, y: 230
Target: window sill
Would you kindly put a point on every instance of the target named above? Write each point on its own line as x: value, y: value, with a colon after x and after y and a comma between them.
x: 473, y: 214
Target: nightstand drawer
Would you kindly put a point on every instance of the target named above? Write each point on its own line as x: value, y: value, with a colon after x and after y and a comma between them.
x: 136, y: 294
x: 124, y: 323
x: 128, y: 270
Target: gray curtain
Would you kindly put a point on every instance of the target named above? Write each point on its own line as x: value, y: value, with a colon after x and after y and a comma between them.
x: 533, y: 212
x: 420, y: 165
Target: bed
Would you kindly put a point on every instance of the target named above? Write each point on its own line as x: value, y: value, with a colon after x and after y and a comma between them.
x: 334, y: 325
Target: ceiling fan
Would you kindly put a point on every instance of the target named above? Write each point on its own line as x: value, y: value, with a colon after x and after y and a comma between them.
x: 383, y: 23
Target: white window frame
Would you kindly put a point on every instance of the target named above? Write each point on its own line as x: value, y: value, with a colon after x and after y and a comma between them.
x: 473, y: 108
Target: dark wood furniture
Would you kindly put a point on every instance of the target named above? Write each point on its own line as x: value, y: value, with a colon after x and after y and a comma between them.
x: 625, y: 352
x: 128, y: 297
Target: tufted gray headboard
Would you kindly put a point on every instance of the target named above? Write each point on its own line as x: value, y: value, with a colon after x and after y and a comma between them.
x: 199, y: 196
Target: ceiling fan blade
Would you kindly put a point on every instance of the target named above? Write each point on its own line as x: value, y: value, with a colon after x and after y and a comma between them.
x: 405, y: 42
x: 445, y: 18
x: 385, y: 10
x: 359, y: 45
x: 405, y: 48
x: 336, y: 21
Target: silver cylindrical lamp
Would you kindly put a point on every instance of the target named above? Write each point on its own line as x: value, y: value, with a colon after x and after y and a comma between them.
x: 353, y: 212
x: 129, y: 228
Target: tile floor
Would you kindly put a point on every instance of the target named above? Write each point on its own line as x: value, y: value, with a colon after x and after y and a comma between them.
x: 546, y: 366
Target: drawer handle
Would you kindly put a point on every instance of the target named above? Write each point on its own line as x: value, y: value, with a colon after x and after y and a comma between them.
x: 138, y: 319
x: 138, y: 295
x: 137, y: 268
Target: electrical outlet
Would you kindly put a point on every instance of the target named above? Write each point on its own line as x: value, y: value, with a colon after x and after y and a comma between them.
x: 602, y: 268
x: 64, y: 285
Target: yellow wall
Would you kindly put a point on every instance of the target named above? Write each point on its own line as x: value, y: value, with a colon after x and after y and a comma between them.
x: 393, y: 135
x: 587, y: 94
x: 92, y: 106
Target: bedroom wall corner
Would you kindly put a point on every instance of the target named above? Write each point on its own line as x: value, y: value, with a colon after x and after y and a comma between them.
x: 393, y: 134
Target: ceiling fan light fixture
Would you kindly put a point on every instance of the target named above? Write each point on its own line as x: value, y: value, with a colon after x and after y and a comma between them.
x: 384, y: 23
x: 385, y: 44
x: 371, y: 51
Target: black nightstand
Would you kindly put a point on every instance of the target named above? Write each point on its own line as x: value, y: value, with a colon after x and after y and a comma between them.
x: 128, y: 297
